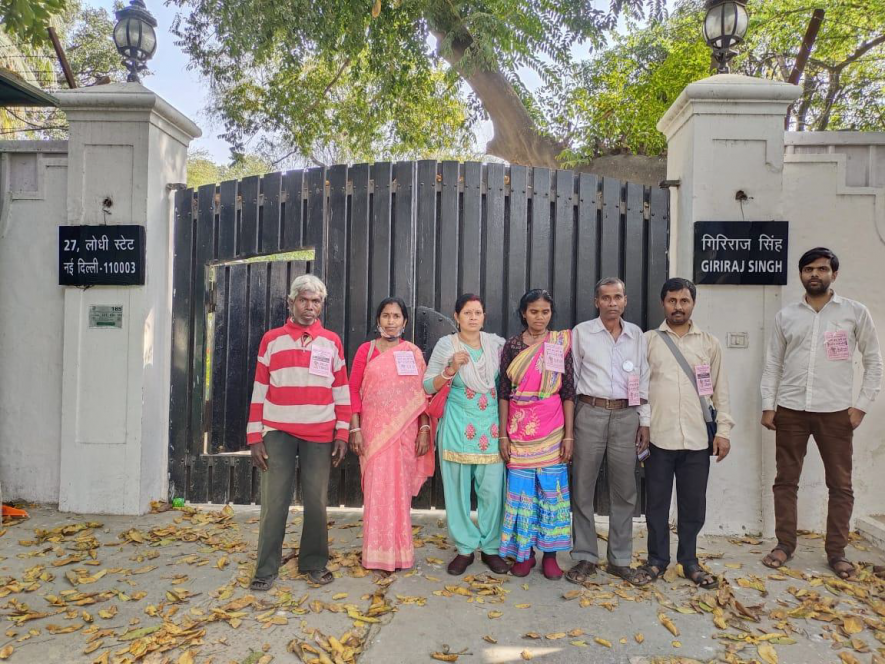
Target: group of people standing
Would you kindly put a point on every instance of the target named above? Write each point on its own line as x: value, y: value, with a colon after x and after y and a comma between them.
x: 507, y: 417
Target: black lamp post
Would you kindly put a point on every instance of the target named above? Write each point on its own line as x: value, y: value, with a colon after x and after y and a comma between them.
x: 725, y: 26
x: 135, y: 37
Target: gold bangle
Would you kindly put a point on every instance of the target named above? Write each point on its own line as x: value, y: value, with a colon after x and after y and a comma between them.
x: 565, y: 439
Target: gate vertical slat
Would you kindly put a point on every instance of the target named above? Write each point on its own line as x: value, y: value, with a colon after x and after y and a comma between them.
x: 381, y: 238
x: 564, y: 248
x: 658, y: 237
x: 204, y: 247
x: 587, y: 273
x: 336, y: 253
x: 471, y: 250
x: 497, y: 305
x: 182, y: 345
x: 540, y: 244
x: 426, y: 237
x: 610, y: 244
x: 271, y: 209
x: 448, y: 265
x: 222, y: 348
x: 239, y: 390
x: 403, y: 257
x: 239, y: 362
x: 248, y: 240
x: 315, y: 224
x: 227, y: 219
x: 517, y: 231
x: 358, y: 253
x: 292, y: 226
x: 634, y: 254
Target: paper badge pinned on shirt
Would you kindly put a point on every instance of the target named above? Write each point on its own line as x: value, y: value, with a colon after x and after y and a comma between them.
x: 405, y: 363
x: 320, y: 361
x: 554, y: 359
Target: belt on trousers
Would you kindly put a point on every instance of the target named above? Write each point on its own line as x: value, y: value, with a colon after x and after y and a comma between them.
x: 608, y: 404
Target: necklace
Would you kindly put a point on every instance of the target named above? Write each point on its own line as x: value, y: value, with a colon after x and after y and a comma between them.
x: 476, y: 344
x: 535, y: 337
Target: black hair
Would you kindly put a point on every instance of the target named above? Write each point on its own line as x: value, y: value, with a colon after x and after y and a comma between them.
x: 533, y: 296
x: 392, y: 300
x: 819, y: 252
x: 462, y: 301
x: 678, y: 284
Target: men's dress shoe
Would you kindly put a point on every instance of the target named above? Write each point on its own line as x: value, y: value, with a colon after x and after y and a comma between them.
x: 495, y: 563
x: 459, y: 564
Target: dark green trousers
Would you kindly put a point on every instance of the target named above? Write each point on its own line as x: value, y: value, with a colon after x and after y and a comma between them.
x: 277, y: 487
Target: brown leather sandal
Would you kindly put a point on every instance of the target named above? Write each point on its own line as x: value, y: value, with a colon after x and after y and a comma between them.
x: 580, y: 572
x: 842, y: 572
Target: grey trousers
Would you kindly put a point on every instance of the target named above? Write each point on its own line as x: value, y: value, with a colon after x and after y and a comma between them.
x: 277, y: 487
x: 598, y: 431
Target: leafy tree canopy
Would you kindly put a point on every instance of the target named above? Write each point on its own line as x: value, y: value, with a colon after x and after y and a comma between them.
x: 201, y: 169
x: 27, y: 20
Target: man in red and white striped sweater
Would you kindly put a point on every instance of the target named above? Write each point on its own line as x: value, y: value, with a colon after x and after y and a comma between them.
x: 299, y: 413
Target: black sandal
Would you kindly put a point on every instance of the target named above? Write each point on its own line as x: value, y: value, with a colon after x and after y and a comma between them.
x: 701, y: 577
x: 844, y: 573
x: 775, y: 563
x: 655, y: 572
x: 321, y: 577
x: 636, y: 577
x: 262, y: 583
x: 580, y: 572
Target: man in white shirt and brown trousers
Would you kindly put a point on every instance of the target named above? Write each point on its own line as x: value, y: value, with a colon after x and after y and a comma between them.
x: 680, y: 388
x: 807, y: 390
x: 611, y: 417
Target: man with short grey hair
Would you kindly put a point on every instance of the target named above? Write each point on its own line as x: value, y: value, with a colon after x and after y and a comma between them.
x: 611, y: 417
x: 299, y: 415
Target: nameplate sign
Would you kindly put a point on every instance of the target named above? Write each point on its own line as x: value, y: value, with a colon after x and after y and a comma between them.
x: 745, y: 253
x: 101, y: 255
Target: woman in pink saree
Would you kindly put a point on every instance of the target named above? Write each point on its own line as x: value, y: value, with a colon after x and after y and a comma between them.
x: 390, y: 432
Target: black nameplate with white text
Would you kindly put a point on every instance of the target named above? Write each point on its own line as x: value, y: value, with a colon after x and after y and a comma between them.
x: 749, y: 253
x: 101, y: 255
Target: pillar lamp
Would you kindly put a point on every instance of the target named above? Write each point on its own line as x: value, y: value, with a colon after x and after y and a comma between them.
x: 725, y: 26
x: 135, y: 37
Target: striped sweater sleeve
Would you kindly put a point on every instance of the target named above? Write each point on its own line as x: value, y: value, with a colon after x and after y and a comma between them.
x: 341, y: 394
x: 255, y: 428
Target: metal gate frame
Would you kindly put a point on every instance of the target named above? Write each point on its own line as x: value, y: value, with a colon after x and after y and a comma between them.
x: 425, y: 231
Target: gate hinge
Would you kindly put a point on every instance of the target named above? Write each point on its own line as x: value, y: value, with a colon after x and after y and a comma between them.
x: 211, y: 298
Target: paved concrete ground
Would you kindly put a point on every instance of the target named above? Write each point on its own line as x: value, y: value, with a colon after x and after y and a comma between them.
x: 173, y: 587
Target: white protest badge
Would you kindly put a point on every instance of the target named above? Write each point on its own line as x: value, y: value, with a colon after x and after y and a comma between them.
x: 321, y: 361
x: 633, y: 390
x: 554, y: 359
x: 405, y: 363
x: 704, y: 379
x: 837, y: 346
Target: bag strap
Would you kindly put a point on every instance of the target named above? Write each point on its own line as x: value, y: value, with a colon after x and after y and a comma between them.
x: 686, y: 367
x: 371, y: 351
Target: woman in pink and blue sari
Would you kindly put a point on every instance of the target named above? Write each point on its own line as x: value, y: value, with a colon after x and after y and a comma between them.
x: 536, y: 408
x: 390, y: 432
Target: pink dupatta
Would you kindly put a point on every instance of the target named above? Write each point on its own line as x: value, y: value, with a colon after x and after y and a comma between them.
x: 391, y: 407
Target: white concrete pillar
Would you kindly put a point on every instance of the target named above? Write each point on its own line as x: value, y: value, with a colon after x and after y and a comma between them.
x: 126, y: 147
x: 726, y: 134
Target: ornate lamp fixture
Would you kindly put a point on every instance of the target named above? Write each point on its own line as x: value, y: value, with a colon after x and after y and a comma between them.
x: 725, y: 26
x: 135, y: 37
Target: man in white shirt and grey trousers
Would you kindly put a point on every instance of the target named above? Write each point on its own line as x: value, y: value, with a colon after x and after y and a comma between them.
x: 807, y: 390
x: 611, y: 416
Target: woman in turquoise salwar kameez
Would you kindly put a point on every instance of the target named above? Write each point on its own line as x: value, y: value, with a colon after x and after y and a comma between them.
x: 467, y: 435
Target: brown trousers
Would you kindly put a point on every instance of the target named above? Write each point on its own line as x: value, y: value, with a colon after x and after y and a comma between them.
x: 833, y: 433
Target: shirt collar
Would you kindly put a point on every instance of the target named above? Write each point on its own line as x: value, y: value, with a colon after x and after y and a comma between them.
x: 692, y: 328
x: 298, y: 331
x: 836, y: 299
x: 596, y: 325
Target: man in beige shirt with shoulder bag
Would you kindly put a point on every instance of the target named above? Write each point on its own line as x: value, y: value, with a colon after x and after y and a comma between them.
x: 690, y: 422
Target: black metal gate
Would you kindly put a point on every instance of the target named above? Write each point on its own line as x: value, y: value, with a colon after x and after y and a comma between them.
x: 426, y: 231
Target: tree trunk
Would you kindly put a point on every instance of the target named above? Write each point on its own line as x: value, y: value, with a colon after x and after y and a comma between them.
x: 517, y: 138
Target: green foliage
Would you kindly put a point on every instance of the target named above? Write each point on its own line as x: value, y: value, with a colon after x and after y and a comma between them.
x: 362, y: 75
x: 618, y: 96
x: 202, y: 170
x: 27, y: 20
x: 87, y: 35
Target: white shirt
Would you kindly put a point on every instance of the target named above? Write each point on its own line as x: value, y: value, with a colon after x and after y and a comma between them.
x: 600, y: 362
x: 798, y: 374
